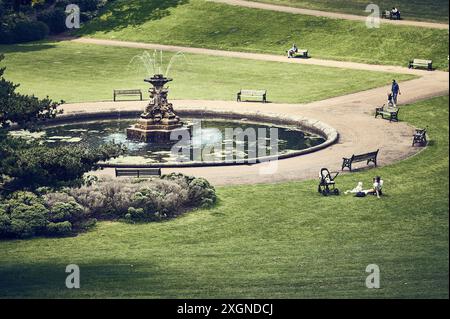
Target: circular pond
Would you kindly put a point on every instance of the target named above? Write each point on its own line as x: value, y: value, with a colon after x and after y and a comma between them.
x: 218, y: 140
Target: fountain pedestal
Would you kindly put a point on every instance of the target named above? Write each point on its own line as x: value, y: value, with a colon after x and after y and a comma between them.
x: 159, y: 120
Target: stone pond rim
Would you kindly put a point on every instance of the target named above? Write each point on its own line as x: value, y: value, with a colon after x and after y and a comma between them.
x: 329, y: 133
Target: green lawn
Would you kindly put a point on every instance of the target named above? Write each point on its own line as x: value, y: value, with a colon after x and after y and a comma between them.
x: 78, y: 72
x: 427, y: 10
x: 197, y: 23
x: 285, y: 241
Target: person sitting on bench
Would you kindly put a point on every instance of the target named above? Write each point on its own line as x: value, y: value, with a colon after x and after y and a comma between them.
x: 292, y: 51
x: 395, y: 13
x: 377, y: 187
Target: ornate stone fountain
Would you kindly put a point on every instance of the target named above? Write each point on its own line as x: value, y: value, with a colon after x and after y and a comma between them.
x: 159, y: 120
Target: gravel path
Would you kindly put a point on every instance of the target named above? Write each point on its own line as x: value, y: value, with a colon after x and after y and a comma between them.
x: 249, y: 56
x: 333, y: 15
x: 351, y: 115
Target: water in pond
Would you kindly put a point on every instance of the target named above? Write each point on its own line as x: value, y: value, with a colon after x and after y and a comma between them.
x: 213, y: 132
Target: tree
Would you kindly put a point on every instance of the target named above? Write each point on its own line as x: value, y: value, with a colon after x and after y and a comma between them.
x: 29, y: 165
x: 24, y: 110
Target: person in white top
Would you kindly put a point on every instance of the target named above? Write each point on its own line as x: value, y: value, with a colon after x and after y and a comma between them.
x: 292, y: 51
x: 357, y: 189
x: 395, y: 12
x: 377, y: 187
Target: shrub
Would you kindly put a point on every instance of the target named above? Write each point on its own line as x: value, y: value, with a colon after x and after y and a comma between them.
x: 6, y: 29
x: 59, y: 229
x: 72, y: 210
x: 23, y: 215
x: 19, y: 229
x: 200, y: 192
x: 26, y: 31
x: 66, y: 211
x: 28, y: 220
x: 105, y: 199
x: 18, y: 25
x: 55, y: 20
x: 5, y: 223
x: 85, y: 225
x: 6, y: 36
x: 135, y: 214
x: 51, y: 199
x: 92, y: 200
x: 37, y: 165
x: 166, y: 197
x: 158, y: 198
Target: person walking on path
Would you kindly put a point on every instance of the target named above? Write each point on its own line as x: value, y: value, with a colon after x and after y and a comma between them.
x: 395, y: 91
x: 390, y: 100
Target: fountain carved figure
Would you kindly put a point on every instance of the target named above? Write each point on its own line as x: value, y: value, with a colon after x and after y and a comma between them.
x: 158, y: 121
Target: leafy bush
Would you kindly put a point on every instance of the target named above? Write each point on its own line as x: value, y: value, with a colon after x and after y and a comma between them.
x: 52, y: 198
x: 26, y: 31
x: 87, y: 224
x: 23, y: 215
x: 21, y: 29
x: 55, y: 20
x: 148, y: 199
x: 67, y: 211
x: 72, y: 210
x: 59, y: 229
x: 5, y: 223
x: 24, y: 21
x: 200, y: 192
x: 33, y: 166
x: 136, y: 214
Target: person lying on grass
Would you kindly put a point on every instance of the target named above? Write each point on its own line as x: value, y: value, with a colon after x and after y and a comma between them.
x: 357, y: 189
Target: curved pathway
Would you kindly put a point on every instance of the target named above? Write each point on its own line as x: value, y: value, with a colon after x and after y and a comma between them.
x: 249, y: 56
x: 333, y: 15
x: 351, y: 115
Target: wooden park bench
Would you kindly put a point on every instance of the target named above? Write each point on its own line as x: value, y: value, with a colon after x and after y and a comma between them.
x: 127, y: 92
x: 389, y: 112
x: 369, y: 157
x: 252, y: 94
x: 420, y: 63
x: 420, y: 137
x: 299, y: 54
x: 386, y: 14
x: 138, y: 172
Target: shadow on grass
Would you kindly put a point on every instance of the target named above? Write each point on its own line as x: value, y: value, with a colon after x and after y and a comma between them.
x: 101, y: 278
x: 124, y: 13
x: 25, y: 47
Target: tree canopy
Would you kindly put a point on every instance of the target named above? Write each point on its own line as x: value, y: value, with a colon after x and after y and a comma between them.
x: 24, y: 110
x: 29, y: 164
